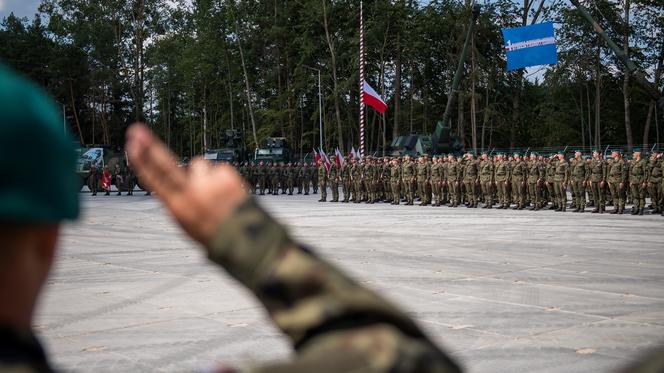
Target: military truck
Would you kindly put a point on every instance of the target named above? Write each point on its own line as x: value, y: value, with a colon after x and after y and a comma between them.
x: 275, y: 149
x: 233, y: 148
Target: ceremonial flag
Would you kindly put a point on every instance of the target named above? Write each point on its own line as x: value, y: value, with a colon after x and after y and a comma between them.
x: 326, y: 159
x: 373, y: 99
x: 340, y: 157
x: 530, y: 46
x: 351, y: 155
x: 316, y: 156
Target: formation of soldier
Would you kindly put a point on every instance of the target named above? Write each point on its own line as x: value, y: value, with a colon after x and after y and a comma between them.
x: 532, y: 181
x: 280, y: 178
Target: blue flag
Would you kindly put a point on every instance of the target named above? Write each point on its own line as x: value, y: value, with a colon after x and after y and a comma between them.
x: 530, y: 46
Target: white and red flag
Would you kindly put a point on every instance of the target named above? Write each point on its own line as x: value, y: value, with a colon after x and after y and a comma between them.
x: 372, y: 98
x: 316, y: 156
x: 351, y: 155
x: 325, y: 159
x: 340, y: 157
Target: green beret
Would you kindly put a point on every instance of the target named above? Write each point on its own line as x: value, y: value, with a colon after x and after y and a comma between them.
x: 516, y: 153
x: 37, y: 160
x: 636, y: 150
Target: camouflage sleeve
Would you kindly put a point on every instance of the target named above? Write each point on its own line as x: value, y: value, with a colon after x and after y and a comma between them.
x: 334, y: 323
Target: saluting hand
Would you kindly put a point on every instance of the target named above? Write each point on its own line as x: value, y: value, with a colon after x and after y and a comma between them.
x: 199, y: 198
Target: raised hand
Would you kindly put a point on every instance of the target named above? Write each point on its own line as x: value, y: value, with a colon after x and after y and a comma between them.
x: 199, y: 198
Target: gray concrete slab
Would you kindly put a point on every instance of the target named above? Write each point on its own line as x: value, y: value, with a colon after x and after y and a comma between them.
x: 502, y: 291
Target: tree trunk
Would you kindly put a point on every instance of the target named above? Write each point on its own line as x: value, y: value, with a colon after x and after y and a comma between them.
x: 651, y: 107
x: 626, y: 85
x: 73, y: 108
x: 461, y: 120
x: 473, y: 108
x: 333, y: 61
x: 598, y: 93
x: 246, y: 83
x: 397, y: 89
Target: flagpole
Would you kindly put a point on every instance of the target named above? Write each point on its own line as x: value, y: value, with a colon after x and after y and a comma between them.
x: 361, y: 82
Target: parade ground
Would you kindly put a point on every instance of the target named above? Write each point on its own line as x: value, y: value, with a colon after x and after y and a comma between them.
x: 500, y: 290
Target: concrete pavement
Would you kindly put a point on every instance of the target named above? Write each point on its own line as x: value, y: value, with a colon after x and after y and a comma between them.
x: 502, y: 291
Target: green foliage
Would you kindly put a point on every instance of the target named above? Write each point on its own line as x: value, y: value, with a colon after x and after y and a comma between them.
x: 177, y: 65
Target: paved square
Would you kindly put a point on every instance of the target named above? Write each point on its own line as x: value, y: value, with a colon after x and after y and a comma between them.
x: 502, y: 291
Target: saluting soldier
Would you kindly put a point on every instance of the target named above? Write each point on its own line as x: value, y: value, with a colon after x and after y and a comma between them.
x: 519, y: 176
x: 638, y: 176
x: 579, y: 177
x: 560, y: 182
x: 487, y: 169
x: 597, y: 180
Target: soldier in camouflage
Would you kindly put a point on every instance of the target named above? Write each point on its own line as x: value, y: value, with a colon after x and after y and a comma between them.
x: 638, y: 177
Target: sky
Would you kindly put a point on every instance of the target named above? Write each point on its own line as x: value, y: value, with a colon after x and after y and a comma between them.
x: 21, y: 8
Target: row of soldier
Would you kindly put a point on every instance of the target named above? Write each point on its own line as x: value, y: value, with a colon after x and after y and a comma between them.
x: 533, y: 181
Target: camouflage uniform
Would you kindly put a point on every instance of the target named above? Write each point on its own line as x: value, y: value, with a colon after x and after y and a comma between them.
x: 437, y: 174
x: 408, y: 173
x: 579, y: 175
x: 519, y: 176
x: 356, y: 179
x: 395, y: 181
x: 502, y: 178
x: 617, y: 177
x: 535, y: 176
x: 423, y: 177
x: 487, y: 181
x: 322, y: 181
x: 345, y: 181
x: 655, y: 173
x: 334, y: 179
x: 597, y: 180
x: 470, y: 179
x: 561, y: 179
x: 453, y: 180
x: 638, y: 175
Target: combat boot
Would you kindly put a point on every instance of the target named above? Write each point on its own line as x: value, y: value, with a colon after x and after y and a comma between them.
x: 641, y: 211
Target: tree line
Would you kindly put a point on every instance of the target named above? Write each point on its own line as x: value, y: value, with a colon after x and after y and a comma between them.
x: 192, y: 69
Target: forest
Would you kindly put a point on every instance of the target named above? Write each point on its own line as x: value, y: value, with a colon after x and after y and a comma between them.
x: 194, y: 68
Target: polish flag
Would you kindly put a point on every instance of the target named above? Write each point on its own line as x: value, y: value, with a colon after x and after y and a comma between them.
x: 351, y: 155
x: 316, y: 156
x: 325, y: 159
x: 373, y: 99
x: 340, y: 157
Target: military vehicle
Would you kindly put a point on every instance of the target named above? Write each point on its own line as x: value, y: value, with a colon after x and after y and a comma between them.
x: 275, y: 149
x: 233, y: 148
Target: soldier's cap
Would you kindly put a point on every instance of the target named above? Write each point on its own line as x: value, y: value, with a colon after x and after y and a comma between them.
x: 636, y: 150
x: 516, y: 153
x: 560, y: 152
x: 37, y: 160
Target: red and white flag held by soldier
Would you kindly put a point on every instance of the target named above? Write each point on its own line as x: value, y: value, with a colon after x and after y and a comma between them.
x: 340, y: 157
x: 325, y: 159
